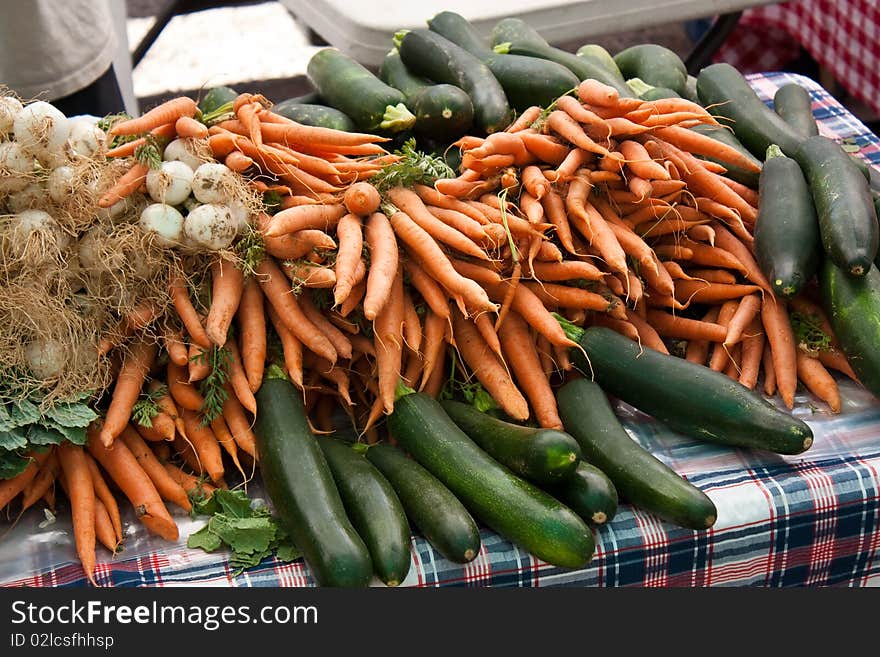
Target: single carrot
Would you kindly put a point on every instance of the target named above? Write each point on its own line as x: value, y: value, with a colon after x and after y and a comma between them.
x: 621, y: 326
x: 168, y: 489
x: 387, y: 329
x: 175, y: 346
x: 532, y: 309
x: 239, y: 425
x: 382, y: 245
x: 720, y: 352
x: 570, y: 130
x: 195, y: 487
x: 590, y: 223
x: 593, y: 92
x: 238, y: 379
x: 129, y: 381
x: 433, y: 344
x: 161, y: 428
x: 699, y: 144
x: 104, y: 528
x: 238, y: 161
x: 304, y: 274
x: 749, y: 307
x: 783, y: 349
x: 279, y: 294
x: 206, y: 447
x: 349, y: 232
x: 184, y: 394
x: 125, y: 186
x: 520, y: 351
x: 563, y: 296
x: 709, y: 275
x: 227, y: 441
x: 568, y: 270
x: 673, y: 326
x: 197, y: 363
x: 337, y: 338
x: 647, y: 335
x: 412, y: 324
x: 544, y: 147
x: 124, y: 469
x: 554, y: 210
x: 749, y: 266
x: 430, y: 290
x: 187, y: 312
x: 252, y: 330
x: 105, y: 495
x: 82, y: 503
x: 752, y: 352
x: 188, y: 127
x: 567, y: 169
x: 321, y: 217
x: 43, y: 481
x: 10, y: 488
x: 525, y: 119
x: 704, y: 292
x: 818, y: 380
x: 167, y: 112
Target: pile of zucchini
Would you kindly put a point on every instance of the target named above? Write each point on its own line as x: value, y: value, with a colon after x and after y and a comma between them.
x: 817, y: 221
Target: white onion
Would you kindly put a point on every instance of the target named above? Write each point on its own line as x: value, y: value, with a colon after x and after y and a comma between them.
x: 41, y: 129
x: 16, y: 167
x: 212, y: 183
x: 31, y: 221
x: 210, y: 226
x: 32, y: 196
x: 86, y: 139
x: 60, y: 184
x: 87, y: 249
x: 165, y: 221
x: 171, y: 183
x: 9, y: 107
x: 178, y: 151
x: 46, y: 358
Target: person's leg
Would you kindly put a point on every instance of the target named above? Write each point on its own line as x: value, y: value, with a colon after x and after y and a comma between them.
x: 100, y: 98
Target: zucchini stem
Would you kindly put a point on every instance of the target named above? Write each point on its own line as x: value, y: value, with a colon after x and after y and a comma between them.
x: 638, y: 86
x: 402, y: 390
x: 398, y: 38
x: 774, y: 151
x: 502, y: 48
x: 397, y: 118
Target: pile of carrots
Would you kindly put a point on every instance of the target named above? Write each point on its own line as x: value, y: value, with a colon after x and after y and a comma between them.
x: 599, y: 208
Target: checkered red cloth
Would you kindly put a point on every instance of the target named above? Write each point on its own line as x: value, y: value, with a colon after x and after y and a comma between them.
x: 841, y: 35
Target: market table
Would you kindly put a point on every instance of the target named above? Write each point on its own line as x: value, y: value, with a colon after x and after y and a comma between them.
x: 811, y: 519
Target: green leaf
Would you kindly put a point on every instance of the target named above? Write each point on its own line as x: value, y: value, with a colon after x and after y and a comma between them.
x: 39, y: 434
x: 233, y: 503
x: 204, y: 539
x: 6, y: 423
x: 24, y: 412
x: 76, y: 435
x: 483, y: 401
x: 244, y: 534
x: 12, y: 440
x: 287, y: 552
x: 72, y: 415
x: 12, y: 465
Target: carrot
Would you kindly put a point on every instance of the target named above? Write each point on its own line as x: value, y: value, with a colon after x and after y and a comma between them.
x: 711, y: 256
x: 389, y: 343
x: 105, y: 495
x: 303, y: 274
x: 124, y: 469
x: 720, y: 353
x: 672, y: 326
x: 639, y: 161
x: 138, y: 318
x: 283, y: 301
x: 646, y: 333
x: 571, y: 106
x: 238, y: 424
x: 467, y: 293
x: 350, y: 235
x: 43, y: 481
x: 252, y: 329
x: 747, y: 194
x: 184, y: 394
x: 544, y: 147
x: 167, y: 112
x: 238, y: 161
x: 163, y: 134
x: 818, y: 381
x: 161, y: 428
x: 167, y: 488
x: 487, y: 368
x: 188, y: 127
x: 184, y: 449
x: 752, y: 351
x: 568, y: 270
x: 135, y: 366
x: 321, y: 217
x: 570, y: 130
x: 521, y: 353
x: 704, y: 292
x: 748, y: 308
x: 175, y: 346
x: 709, y: 275
x: 532, y: 309
x: 194, y: 486
x: 383, y: 263
x: 566, y: 170
x: 361, y: 199
x: 412, y: 324
x: 562, y: 296
x: 82, y: 503
x: 204, y: 442
x: 534, y: 182
x: 187, y: 312
x: 337, y: 338
x: 700, y: 144
x: 237, y: 378
x: 621, y: 326
x: 127, y: 185
x: 593, y: 226
x: 780, y: 338
x: 432, y: 344
x: 10, y: 488
x: 104, y: 528
x: 593, y: 92
x: 291, y: 347
x: 226, y: 441
x: 836, y: 360
x: 632, y: 244
x: 749, y: 266
x: 525, y: 119
x: 198, y: 364
x: 283, y: 130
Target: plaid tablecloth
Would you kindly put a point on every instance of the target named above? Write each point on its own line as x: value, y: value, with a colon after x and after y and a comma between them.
x: 812, y: 519
x: 842, y: 35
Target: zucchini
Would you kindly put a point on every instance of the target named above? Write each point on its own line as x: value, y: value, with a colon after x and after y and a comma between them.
x: 216, y: 98
x: 688, y: 398
x: 308, y: 98
x: 301, y: 487
x: 725, y: 136
x: 316, y: 115
x: 640, y: 477
x: 656, y: 93
x: 373, y: 507
x: 598, y: 56
x: 516, y: 37
x: 512, y: 507
x: 589, y: 493
x: 690, y: 89
x: 433, y: 56
x: 787, y: 245
x: 843, y: 204
x: 543, y: 456
x: 349, y: 87
x: 432, y: 507
x: 756, y: 125
x: 792, y: 102
x: 443, y: 112
x: 853, y: 308
x: 526, y: 81
x: 654, y: 64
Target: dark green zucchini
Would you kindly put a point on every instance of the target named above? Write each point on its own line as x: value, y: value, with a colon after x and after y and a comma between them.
x: 316, y: 115
x: 302, y: 490
x: 373, y: 507
x: 543, y: 456
x: 756, y: 125
x: 688, y: 398
x: 843, y: 203
x: 349, y: 87
x: 787, y: 242
x: 598, y: 56
x: 308, y: 98
x: 431, y: 507
x: 654, y: 64
x: 526, y: 81
x: 516, y: 37
x: 443, y: 112
x: 690, y: 89
x: 640, y: 477
x: 437, y: 58
x: 215, y: 98
x: 725, y: 136
x: 589, y: 493
x: 853, y: 308
x: 792, y: 102
x: 656, y: 93
x: 511, y: 506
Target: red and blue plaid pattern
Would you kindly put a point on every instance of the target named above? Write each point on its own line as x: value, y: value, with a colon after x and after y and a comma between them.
x: 807, y: 520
